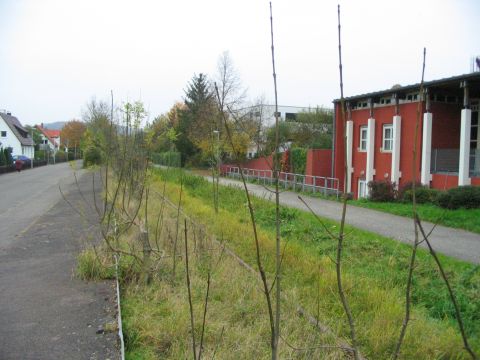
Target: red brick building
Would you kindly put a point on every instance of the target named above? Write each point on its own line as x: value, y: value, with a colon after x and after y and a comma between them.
x: 378, y: 139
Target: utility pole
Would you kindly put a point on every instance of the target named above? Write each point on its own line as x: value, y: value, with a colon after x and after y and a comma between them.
x: 33, y: 157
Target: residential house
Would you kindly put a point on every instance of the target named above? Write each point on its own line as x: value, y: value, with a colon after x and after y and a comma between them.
x: 380, y: 138
x: 13, y: 135
x: 264, y: 116
x: 50, y: 138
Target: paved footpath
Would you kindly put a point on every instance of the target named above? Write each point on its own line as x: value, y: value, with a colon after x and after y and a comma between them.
x: 460, y: 244
x: 45, y: 311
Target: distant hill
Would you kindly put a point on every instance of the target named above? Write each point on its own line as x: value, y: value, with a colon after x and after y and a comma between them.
x: 54, y: 125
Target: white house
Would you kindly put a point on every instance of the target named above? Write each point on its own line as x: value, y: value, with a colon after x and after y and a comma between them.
x: 50, y: 138
x: 13, y: 135
x: 264, y: 116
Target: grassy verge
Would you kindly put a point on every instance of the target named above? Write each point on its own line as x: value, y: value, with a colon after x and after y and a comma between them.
x: 375, y: 271
x: 466, y: 219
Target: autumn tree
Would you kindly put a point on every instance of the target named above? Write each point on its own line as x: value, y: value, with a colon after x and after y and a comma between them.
x: 196, y: 121
x: 163, y: 131
x: 96, y: 116
x: 72, y: 133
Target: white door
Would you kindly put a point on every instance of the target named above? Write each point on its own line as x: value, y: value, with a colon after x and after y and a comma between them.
x: 362, y: 188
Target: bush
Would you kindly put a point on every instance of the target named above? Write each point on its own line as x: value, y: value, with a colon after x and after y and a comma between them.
x: 3, y: 159
x: 407, y: 186
x: 92, y: 156
x: 467, y: 197
x: 423, y: 195
x: 381, y: 191
x: 298, y: 157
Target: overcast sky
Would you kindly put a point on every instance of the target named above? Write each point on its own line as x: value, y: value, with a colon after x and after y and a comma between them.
x: 55, y: 55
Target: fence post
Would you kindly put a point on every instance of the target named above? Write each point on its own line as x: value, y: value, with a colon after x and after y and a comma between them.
x: 147, y: 251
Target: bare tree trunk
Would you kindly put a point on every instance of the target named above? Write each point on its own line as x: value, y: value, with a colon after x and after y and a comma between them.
x: 147, y: 251
x: 450, y: 291
x: 192, y: 321
x: 254, y: 223
x: 176, y: 232
x: 278, y: 274
x: 341, y: 235
x: 411, y: 267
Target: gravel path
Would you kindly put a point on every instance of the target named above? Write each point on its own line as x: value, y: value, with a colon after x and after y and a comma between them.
x: 460, y: 244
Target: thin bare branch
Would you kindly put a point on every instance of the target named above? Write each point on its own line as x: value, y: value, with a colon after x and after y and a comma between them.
x: 458, y: 315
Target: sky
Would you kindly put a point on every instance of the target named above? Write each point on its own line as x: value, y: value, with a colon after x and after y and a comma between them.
x: 56, y: 55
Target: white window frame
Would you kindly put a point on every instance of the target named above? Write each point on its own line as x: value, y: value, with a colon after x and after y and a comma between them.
x: 386, y: 140
x: 363, y: 140
x: 4, y: 132
x: 362, y: 188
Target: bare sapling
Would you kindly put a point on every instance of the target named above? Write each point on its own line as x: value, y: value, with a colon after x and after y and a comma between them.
x: 190, y: 303
x: 251, y: 211
x: 276, y: 172
x: 411, y: 267
x: 453, y: 299
x: 177, y: 228
x: 341, y: 233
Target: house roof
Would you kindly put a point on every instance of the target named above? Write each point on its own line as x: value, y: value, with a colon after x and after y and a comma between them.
x: 449, y: 85
x: 18, y: 130
x: 49, y: 134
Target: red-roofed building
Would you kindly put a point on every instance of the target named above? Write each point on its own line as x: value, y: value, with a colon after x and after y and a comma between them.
x: 50, y: 138
x: 378, y: 137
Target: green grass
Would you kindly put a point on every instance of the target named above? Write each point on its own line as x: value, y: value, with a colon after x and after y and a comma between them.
x: 94, y: 264
x: 375, y: 271
x: 467, y: 219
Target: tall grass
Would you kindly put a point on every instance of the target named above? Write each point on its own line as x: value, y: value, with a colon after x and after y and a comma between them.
x: 374, y: 279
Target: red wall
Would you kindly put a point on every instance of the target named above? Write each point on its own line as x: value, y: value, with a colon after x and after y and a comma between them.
x: 263, y: 163
x: 445, y: 126
x: 476, y: 181
x: 408, y: 112
x: 444, y: 181
x: 339, y: 147
x: 382, y: 161
x: 319, y: 162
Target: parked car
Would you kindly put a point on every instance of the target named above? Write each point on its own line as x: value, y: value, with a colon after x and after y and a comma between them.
x: 26, y: 160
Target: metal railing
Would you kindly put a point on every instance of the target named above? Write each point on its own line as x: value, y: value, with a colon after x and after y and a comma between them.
x: 315, y: 184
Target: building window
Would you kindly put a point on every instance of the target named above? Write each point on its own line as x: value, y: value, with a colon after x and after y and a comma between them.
x: 362, y: 188
x: 412, y: 97
x: 385, y: 101
x: 290, y: 116
x: 4, y: 134
x: 363, y: 138
x: 387, y: 137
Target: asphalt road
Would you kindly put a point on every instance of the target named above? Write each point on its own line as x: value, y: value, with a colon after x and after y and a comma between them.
x: 27, y: 195
x: 45, y: 311
x: 457, y: 243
